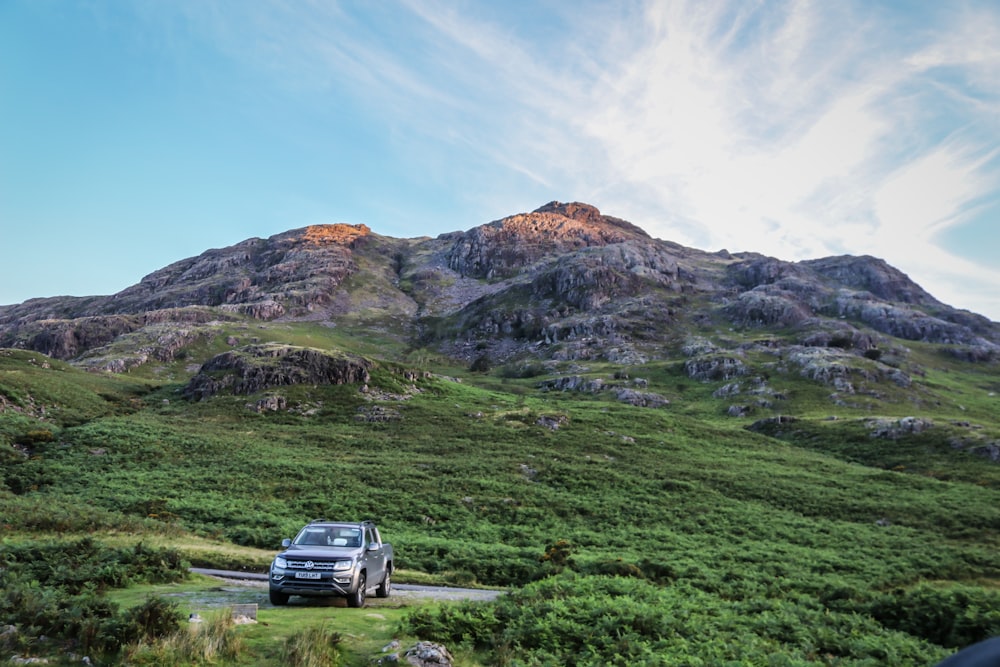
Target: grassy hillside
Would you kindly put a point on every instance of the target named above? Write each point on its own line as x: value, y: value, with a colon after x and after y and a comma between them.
x: 670, y: 535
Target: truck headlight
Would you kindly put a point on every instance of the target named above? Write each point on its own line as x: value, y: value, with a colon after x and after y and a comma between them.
x: 341, y: 565
x: 279, y: 563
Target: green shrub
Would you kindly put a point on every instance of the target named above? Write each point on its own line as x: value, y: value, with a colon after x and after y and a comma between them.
x: 154, y: 618
x: 55, y: 590
x: 87, y: 564
x: 952, y: 616
x: 35, y: 437
x: 600, y: 620
x: 469, y: 624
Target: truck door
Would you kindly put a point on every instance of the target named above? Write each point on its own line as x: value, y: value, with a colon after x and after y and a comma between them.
x: 375, y: 558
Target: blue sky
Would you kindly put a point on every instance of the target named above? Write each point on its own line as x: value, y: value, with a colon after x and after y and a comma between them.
x: 137, y: 133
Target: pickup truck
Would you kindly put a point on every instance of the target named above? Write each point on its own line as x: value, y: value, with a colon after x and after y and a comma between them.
x: 332, y: 558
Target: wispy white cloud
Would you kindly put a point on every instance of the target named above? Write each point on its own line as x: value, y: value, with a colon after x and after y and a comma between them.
x: 795, y: 128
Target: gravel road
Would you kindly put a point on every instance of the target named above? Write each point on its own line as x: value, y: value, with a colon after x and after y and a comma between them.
x: 255, y: 580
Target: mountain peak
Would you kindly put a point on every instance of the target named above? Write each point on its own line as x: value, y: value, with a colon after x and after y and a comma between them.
x: 575, y: 210
x: 589, y: 215
x: 334, y: 234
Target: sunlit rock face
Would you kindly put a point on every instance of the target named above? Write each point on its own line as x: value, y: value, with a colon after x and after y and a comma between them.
x: 564, y: 282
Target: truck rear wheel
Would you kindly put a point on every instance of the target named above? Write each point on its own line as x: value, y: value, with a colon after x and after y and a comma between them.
x: 357, y: 599
x: 383, y: 589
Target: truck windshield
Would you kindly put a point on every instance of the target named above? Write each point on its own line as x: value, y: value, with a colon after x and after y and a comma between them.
x: 329, y: 536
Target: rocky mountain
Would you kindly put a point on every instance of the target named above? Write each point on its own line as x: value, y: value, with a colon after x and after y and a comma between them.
x: 564, y: 282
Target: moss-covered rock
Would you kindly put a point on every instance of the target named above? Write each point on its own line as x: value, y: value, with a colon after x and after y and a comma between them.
x: 255, y: 368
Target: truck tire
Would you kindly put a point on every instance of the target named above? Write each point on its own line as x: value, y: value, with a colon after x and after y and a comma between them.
x: 383, y: 589
x: 357, y: 599
x: 277, y: 599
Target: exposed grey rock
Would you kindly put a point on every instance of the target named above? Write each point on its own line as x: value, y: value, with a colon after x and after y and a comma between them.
x: 901, y: 321
x: 623, y: 393
x: 561, y: 283
x: 254, y: 368
x: 642, y: 399
x: 267, y: 309
x: 772, y: 425
x: 982, y: 353
x: 990, y: 451
x: 727, y: 390
x: 893, y: 429
x: 767, y: 306
x: 714, y: 368
x: 839, y: 334
x: 377, y: 414
x: 698, y: 347
x: 870, y: 274
x: 739, y: 410
x: 428, y: 654
x: 552, y: 422
x: 823, y: 364
x: 573, y: 383
x: 269, y: 404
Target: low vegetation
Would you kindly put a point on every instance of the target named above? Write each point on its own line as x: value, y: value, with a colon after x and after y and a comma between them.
x: 626, y: 535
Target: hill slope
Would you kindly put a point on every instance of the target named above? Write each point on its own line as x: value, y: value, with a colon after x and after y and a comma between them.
x: 681, y: 456
x: 524, y: 285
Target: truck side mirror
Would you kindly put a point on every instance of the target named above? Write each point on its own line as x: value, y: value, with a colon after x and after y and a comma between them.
x: 372, y: 546
x: 285, y: 543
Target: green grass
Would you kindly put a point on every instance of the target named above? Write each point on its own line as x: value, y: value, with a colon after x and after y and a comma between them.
x: 365, y: 632
x: 751, y: 532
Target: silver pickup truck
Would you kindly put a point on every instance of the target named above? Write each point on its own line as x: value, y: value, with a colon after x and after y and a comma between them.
x: 332, y: 558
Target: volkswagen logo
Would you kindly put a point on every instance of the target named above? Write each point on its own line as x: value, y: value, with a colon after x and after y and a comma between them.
x: 309, y: 565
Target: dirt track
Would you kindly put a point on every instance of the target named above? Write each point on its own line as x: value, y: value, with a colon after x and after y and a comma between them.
x: 256, y: 580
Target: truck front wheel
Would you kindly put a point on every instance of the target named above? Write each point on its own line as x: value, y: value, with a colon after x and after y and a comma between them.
x: 357, y: 599
x: 277, y: 599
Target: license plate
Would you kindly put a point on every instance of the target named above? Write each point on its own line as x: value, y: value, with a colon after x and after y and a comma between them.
x: 307, y: 575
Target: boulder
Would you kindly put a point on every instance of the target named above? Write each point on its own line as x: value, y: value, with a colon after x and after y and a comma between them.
x: 714, y: 367
x: 253, y: 368
x: 893, y: 429
x: 428, y: 654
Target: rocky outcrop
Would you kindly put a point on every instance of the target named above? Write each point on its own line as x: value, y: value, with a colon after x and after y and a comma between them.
x: 73, y: 338
x: 269, y: 404
x: 293, y: 272
x: 767, y: 306
x: 842, y: 370
x: 66, y: 339
x: 629, y: 392
x: 866, y: 290
x: 839, y: 334
x: 893, y: 429
x: 289, y: 271
x: 870, y: 274
x: 255, y: 368
x: 502, y: 248
x: 903, y: 321
x: 564, y: 282
x: 714, y: 367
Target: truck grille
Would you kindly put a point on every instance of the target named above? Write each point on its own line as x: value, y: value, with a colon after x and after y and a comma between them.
x: 315, y: 565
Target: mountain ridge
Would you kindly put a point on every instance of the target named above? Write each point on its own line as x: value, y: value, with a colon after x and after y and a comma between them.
x: 563, y: 281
